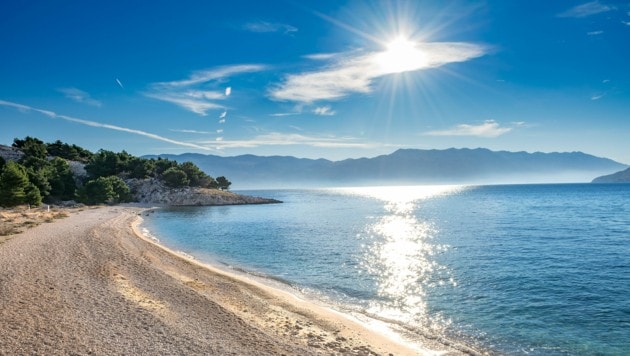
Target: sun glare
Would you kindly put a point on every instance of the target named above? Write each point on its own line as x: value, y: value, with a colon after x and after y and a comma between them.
x: 401, y: 55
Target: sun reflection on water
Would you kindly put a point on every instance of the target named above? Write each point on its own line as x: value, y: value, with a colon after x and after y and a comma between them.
x: 400, y: 254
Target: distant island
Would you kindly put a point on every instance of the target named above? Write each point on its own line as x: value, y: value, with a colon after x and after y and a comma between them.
x: 619, y: 177
x: 406, y: 166
x: 32, y: 172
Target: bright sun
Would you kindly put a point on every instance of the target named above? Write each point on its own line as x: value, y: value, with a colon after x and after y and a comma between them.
x: 401, y: 55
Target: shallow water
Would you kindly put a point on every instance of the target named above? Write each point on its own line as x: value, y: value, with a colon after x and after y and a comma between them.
x: 518, y: 269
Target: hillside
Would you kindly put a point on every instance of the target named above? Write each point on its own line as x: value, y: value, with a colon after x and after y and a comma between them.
x: 405, y: 166
x: 619, y: 177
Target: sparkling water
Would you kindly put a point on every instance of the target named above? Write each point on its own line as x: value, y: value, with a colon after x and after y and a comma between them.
x: 518, y: 269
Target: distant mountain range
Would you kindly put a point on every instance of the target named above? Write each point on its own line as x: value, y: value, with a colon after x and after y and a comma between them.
x: 619, y: 177
x: 404, y: 166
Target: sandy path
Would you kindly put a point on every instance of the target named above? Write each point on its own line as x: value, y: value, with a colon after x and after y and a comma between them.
x: 88, y: 285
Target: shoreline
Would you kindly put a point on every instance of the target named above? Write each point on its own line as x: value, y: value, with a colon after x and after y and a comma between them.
x: 93, y: 283
x: 383, y: 334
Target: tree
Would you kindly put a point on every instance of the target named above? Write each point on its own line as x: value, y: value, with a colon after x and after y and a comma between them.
x: 175, y: 178
x: 140, y: 168
x: 32, y: 195
x: 223, y: 183
x: 110, y: 190
x: 194, y: 174
x: 13, y: 184
x: 103, y: 164
x: 31, y: 147
x: 62, y: 181
x: 97, y: 191
x: 161, y: 165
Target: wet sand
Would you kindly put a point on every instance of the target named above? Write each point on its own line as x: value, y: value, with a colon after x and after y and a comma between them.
x: 91, y: 284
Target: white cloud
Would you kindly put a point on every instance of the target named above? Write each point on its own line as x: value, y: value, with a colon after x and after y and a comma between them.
x: 190, y: 131
x: 291, y: 139
x: 354, y: 72
x: 220, y: 131
x: 54, y: 115
x: 268, y: 27
x: 587, y: 9
x: 627, y: 23
x: 321, y: 56
x: 325, y: 110
x: 198, y: 106
x: 223, y: 114
x: 595, y: 33
x: 188, y: 94
x: 597, y: 96
x: 282, y: 114
x: 79, y: 96
x: 222, y: 121
x: 489, y: 128
x: 120, y: 83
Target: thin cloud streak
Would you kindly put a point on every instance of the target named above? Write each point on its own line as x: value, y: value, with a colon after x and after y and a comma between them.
x: 79, y: 96
x: 293, y: 139
x: 354, y: 72
x: 189, y: 94
x: 191, y: 131
x: 585, y: 10
x: 120, y: 83
x: 269, y: 27
x: 488, y: 129
x: 54, y: 115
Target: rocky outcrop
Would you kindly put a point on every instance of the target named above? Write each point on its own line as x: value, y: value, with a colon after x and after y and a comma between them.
x: 153, y: 191
x: 10, y: 153
x: 619, y: 177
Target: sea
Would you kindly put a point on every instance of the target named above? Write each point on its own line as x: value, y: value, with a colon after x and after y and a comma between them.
x: 504, y: 269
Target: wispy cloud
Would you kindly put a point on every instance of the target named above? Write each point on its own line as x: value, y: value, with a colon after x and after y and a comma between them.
x: 120, y: 83
x: 79, y: 96
x: 191, y: 131
x: 595, y: 33
x: 320, y: 56
x: 51, y: 114
x: 268, y: 27
x: 587, y: 9
x: 627, y: 23
x: 325, y: 110
x: 191, y: 93
x: 354, y: 72
x: 282, y: 114
x: 292, y: 139
x: 597, y: 96
x: 488, y: 128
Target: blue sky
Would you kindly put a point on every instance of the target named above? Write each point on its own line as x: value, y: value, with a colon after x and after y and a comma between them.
x: 332, y: 79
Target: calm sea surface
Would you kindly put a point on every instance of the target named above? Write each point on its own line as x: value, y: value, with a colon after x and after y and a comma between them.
x: 517, y: 269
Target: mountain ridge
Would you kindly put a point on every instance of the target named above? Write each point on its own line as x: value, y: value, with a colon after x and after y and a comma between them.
x: 405, y: 166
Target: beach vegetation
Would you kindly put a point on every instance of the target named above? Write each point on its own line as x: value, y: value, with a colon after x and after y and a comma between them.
x: 44, y: 174
x: 14, y: 184
x: 109, y: 190
x: 174, y: 177
x: 223, y: 183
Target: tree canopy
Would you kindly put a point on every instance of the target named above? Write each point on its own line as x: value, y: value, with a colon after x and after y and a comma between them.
x: 44, y: 174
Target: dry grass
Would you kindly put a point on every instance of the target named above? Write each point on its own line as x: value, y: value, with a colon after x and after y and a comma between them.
x: 18, y: 219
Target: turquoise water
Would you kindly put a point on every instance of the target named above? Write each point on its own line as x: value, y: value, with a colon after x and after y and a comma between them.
x: 517, y: 269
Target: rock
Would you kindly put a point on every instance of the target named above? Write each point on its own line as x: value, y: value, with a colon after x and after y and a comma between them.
x: 153, y: 191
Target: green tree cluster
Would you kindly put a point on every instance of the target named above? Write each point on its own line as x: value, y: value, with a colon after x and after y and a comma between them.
x: 43, y: 174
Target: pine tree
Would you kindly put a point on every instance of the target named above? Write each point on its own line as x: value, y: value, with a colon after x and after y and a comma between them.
x: 13, y: 184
